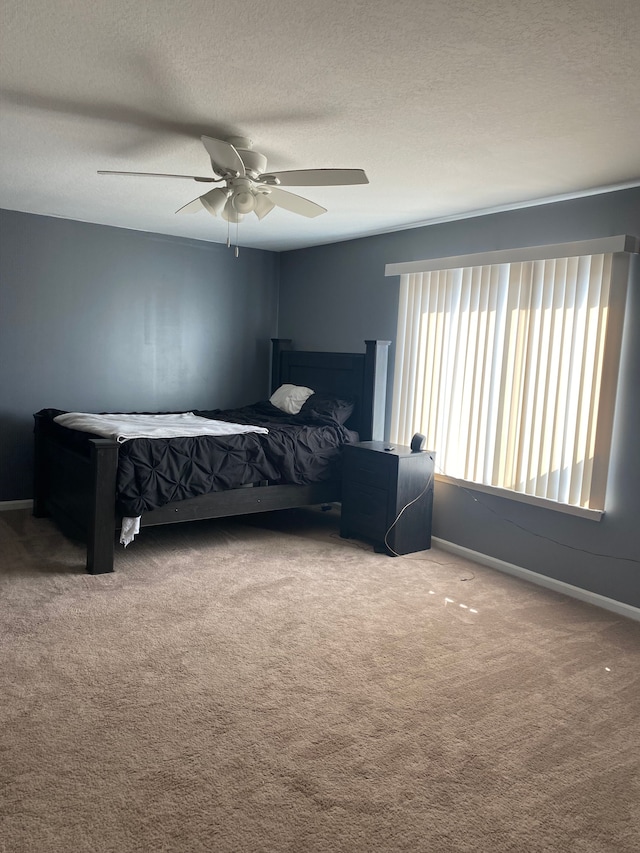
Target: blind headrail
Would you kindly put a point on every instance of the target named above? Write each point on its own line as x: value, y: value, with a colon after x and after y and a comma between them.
x: 600, y: 246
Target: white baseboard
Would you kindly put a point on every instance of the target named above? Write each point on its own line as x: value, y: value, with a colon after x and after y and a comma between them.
x: 594, y: 598
x: 4, y: 505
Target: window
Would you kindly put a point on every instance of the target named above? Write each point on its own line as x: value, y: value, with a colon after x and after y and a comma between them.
x: 507, y: 362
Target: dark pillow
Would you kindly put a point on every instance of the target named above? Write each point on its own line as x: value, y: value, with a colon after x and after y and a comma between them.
x: 326, y: 408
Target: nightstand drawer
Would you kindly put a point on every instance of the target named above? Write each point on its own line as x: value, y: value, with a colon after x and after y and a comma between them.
x: 368, y: 468
x: 364, y: 507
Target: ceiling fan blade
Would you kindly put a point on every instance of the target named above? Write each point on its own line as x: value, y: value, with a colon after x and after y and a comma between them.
x: 224, y: 156
x: 295, y: 203
x: 320, y: 177
x: 159, y: 175
x: 190, y: 207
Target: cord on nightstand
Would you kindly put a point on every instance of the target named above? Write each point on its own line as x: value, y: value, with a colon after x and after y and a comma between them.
x: 406, y: 506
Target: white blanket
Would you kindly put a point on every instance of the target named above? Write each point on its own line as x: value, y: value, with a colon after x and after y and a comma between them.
x: 130, y: 529
x: 125, y: 427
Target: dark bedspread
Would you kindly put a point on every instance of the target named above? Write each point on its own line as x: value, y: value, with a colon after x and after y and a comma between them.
x: 153, y: 472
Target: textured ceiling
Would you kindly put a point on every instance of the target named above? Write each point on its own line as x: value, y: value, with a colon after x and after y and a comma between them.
x: 450, y: 106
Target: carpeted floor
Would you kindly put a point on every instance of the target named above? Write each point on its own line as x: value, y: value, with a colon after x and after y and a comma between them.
x: 263, y: 686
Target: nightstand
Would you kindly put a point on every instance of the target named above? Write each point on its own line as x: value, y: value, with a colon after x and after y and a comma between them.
x: 376, y: 485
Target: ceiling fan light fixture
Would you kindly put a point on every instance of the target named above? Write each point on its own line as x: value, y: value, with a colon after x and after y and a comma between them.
x: 263, y: 205
x: 230, y: 213
x: 214, y: 201
x: 243, y: 201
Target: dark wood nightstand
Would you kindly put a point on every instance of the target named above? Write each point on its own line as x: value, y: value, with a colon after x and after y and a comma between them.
x: 376, y: 485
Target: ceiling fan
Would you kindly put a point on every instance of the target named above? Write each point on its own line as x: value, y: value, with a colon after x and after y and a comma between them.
x: 249, y: 188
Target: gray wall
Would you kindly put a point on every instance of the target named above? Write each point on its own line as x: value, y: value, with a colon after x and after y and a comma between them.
x: 94, y: 318
x: 335, y: 296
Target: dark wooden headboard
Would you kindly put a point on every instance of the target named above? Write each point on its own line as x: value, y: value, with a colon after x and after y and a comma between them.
x: 361, y: 377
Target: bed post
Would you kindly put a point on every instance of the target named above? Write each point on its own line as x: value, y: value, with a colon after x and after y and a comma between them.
x: 375, y: 389
x: 102, y: 510
x: 278, y: 345
x: 40, y: 467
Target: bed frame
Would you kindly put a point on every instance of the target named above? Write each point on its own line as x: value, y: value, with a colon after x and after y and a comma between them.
x: 77, y: 489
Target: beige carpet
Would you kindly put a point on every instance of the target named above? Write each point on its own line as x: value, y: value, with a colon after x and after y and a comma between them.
x: 262, y: 685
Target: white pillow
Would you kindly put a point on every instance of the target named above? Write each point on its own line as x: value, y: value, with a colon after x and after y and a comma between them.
x: 289, y: 398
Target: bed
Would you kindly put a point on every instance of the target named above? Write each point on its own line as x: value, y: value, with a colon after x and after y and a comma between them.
x: 78, y: 476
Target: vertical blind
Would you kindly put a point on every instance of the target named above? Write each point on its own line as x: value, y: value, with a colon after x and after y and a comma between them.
x: 500, y: 366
